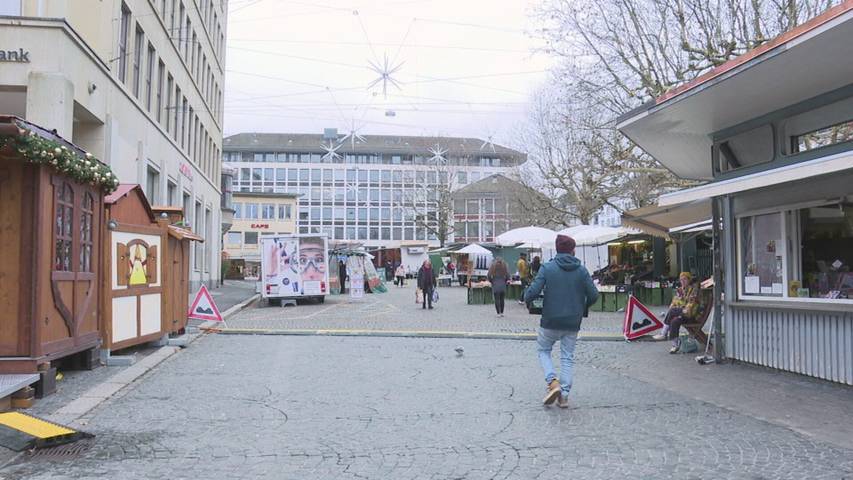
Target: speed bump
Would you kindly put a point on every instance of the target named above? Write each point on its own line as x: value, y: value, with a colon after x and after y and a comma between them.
x: 19, y: 432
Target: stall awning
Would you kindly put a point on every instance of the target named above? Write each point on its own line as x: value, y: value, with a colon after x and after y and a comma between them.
x: 791, y: 173
x: 660, y: 220
x: 183, y: 233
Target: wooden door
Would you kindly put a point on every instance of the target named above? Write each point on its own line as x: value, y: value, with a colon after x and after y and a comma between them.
x: 13, y: 332
x: 179, y: 291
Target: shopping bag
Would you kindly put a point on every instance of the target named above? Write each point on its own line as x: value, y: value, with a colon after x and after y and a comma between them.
x: 419, y: 296
x: 435, y: 296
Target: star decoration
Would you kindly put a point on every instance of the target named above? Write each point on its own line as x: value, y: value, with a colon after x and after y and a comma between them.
x: 489, y: 142
x: 438, y: 154
x: 386, y: 69
x: 331, y: 151
x: 353, y: 136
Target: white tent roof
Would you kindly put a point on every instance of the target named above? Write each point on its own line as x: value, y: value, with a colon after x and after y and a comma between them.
x: 474, y: 249
x: 595, y: 235
x: 532, y: 235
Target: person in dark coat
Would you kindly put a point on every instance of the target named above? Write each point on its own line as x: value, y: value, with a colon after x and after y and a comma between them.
x: 426, y: 282
x: 569, y: 292
x: 498, y: 276
x: 342, y: 274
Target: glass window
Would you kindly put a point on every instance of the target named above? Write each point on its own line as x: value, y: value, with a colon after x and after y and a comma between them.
x: 280, y: 175
x: 462, y: 177
x: 258, y: 157
x: 397, y: 233
x: 825, y: 267
x: 238, y: 210
x: 315, y: 214
x: 397, y: 175
x: 374, y: 176
x: 500, y: 206
x: 234, y: 238
x: 409, y: 234
x: 386, y: 214
x: 473, y: 207
x: 351, y: 175
x: 304, y: 174
x: 340, y: 175
x: 362, y: 233
x: 327, y: 213
x: 362, y: 215
x: 362, y: 176
x: 762, y: 255
x: 748, y: 148
x: 350, y: 214
x: 257, y: 174
x: 362, y: 194
x: 374, y: 214
x: 823, y: 137
x: 488, y: 231
x: 374, y: 233
x: 339, y: 213
x: 250, y: 238
x: 386, y: 195
x: 303, y: 214
x: 245, y: 174
x: 340, y: 194
x: 315, y: 194
x: 316, y: 175
x: 386, y: 176
x: 251, y: 211
x: 339, y: 233
x: 269, y: 157
x: 269, y: 175
x: 386, y: 233
x: 488, y: 206
x: 374, y: 195
x: 420, y: 177
x: 268, y: 211
x: 396, y: 159
x: 459, y: 207
x: 431, y: 177
x: 327, y: 175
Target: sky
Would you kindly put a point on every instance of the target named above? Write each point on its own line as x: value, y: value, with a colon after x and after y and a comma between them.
x: 459, y: 67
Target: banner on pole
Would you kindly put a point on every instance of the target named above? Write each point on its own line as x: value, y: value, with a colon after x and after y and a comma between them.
x: 639, y: 320
x: 203, y: 307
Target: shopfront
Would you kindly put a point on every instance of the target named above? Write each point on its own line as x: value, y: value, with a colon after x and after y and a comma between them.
x: 778, y: 122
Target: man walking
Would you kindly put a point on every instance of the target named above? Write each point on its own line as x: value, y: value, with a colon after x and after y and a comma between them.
x: 569, y: 292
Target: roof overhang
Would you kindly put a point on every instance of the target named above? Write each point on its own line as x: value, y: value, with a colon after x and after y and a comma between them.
x: 184, y: 234
x: 790, y: 173
x: 811, y: 60
x: 661, y: 221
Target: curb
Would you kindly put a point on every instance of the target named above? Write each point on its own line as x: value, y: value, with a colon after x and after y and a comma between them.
x: 213, y: 326
x: 88, y: 400
x: 589, y: 337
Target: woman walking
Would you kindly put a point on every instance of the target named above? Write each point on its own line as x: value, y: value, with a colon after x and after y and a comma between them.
x: 426, y: 282
x: 498, y: 276
x: 401, y: 276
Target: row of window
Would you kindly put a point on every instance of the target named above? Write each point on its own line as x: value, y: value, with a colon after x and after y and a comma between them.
x: 165, y: 101
x: 363, y: 159
x: 250, y: 239
x: 251, y: 178
x: 262, y: 211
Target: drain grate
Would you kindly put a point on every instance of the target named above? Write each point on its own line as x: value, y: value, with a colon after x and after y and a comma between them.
x: 61, y: 452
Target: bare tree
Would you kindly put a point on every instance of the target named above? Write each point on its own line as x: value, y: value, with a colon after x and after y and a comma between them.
x: 430, y: 203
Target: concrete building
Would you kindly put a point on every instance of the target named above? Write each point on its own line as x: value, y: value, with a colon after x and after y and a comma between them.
x: 255, y: 215
x: 381, y: 191
x: 138, y: 83
x: 491, y: 206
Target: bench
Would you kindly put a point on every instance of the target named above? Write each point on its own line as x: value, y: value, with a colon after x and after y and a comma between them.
x: 706, y: 306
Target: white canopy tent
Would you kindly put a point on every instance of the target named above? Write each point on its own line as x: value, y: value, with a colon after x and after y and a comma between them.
x: 474, y: 249
x: 591, y: 243
x: 537, y: 236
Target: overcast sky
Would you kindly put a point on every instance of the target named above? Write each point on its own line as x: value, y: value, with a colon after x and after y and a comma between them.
x: 466, y: 67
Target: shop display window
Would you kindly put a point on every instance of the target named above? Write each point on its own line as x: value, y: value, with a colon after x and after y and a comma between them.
x: 802, y: 253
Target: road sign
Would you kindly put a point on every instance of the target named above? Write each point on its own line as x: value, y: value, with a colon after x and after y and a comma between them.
x: 639, y: 320
x: 203, y: 307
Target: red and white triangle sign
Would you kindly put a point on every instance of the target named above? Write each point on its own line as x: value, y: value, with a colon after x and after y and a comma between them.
x: 639, y: 320
x: 203, y: 307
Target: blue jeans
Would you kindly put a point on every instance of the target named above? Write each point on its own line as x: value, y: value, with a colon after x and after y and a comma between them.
x: 545, y: 341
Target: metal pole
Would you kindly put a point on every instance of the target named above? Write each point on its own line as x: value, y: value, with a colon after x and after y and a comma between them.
x: 716, y: 223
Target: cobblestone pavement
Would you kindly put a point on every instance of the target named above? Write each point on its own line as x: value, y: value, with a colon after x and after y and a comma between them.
x: 355, y: 407
x: 396, y: 310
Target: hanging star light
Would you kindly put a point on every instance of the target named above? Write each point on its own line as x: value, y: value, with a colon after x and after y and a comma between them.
x: 438, y: 154
x: 489, y: 142
x: 353, y: 136
x: 331, y: 151
x: 385, y: 69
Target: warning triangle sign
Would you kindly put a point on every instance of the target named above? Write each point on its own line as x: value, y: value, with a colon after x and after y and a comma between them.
x: 639, y: 320
x: 203, y: 307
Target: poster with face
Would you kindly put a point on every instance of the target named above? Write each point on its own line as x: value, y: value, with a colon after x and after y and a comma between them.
x: 281, y: 259
x: 312, y: 265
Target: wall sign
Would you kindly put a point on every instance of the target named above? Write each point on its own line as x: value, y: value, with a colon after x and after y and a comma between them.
x: 20, y: 55
x: 260, y: 225
x: 186, y: 171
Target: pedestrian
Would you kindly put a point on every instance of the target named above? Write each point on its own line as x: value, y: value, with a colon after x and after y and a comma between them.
x: 389, y: 271
x: 535, y: 265
x: 401, y: 276
x: 451, y: 267
x: 498, y: 276
x: 523, y: 273
x: 426, y: 282
x: 569, y: 292
x: 342, y: 273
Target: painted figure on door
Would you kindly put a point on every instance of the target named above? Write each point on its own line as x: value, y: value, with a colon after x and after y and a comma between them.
x: 138, y: 259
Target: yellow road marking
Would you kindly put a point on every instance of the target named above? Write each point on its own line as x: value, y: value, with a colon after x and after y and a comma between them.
x: 32, y: 426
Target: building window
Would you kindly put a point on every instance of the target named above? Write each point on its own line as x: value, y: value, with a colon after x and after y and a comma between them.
x: 250, y: 238
x: 208, y: 227
x: 238, y: 210
x: 184, y: 120
x: 161, y: 68
x: 800, y: 253
x: 149, y: 74
x: 285, y: 212
x: 199, y: 250
x: 171, y: 193
x: 122, y: 42
x: 168, y: 105
x: 268, y: 211
x: 64, y: 233
x: 137, y: 60
x: 234, y: 238
x: 252, y: 211
x: 823, y: 137
x: 10, y: 9
x: 152, y: 184
x: 86, y: 218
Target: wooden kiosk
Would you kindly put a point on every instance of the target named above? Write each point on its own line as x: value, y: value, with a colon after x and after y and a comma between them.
x: 51, y: 229
x: 176, y: 272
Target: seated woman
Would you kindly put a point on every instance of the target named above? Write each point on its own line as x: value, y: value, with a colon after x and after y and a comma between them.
x: 683, y: 309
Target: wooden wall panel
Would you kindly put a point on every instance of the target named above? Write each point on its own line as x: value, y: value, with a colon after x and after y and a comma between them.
x: 11, y: 187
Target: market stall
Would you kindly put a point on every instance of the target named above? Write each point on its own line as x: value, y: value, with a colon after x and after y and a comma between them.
x: 176, y: 271
x: 50, y: 228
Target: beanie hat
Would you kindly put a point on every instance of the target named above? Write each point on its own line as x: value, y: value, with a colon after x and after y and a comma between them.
x: 565, y: 244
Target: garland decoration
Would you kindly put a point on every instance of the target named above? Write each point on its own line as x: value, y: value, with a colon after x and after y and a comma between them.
x: 83, y: 169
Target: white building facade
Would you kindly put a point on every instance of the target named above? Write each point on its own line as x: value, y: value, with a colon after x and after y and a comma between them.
x: 363, y: 190
x: 138, y: 83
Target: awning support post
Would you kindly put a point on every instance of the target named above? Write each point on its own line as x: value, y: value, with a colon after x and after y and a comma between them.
x: 716, y: 225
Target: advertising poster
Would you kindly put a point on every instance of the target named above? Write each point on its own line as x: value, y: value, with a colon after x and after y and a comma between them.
x: 282, y: 257
x: 312, y: 265
x: 356, y: 285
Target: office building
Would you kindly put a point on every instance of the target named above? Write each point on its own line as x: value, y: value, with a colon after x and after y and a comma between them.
x: 381, y: 191
x: 255, y: 215
x: 138, y: 83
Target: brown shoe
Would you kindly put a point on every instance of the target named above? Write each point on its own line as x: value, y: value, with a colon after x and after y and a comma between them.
x: 553, y: 392
x: 563, y: 402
